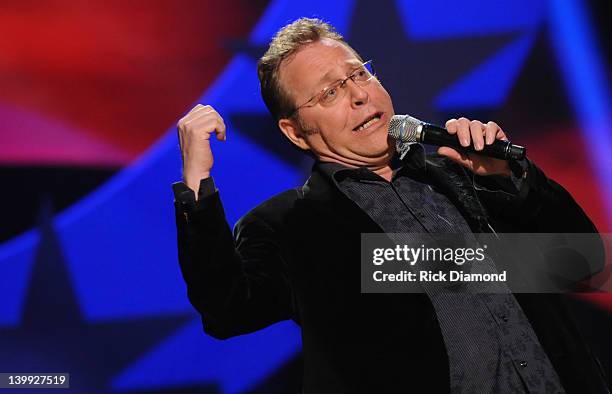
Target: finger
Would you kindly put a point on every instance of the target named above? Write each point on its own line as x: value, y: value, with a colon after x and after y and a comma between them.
x: 501, y: 135
x: 203, y: 127
x: 451, y: 126
x: 218, y: 127
x: 491, y: 130
x: 494, y: 132
x: 476, y: 130
x: 455, y: 156
x: 221, y: 130
x: 195, y: 112
x: 463, y: 131
x: 201, y: 118
x: 199, y: 108
x: 208, y: 119
x: 202, y: 113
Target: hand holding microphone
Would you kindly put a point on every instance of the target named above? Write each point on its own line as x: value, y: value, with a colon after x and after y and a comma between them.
x: 482, y: 148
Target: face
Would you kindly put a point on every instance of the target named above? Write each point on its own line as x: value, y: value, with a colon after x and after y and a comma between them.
x: 334, y: 133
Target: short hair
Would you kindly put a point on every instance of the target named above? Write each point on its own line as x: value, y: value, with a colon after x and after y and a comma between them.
x: 286, y: 42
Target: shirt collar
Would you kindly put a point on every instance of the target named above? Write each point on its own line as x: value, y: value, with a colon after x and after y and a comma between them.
x: 413, y: 160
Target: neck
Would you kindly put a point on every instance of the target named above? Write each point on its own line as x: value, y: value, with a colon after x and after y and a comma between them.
x: 385, y: 172
x: 383, y: 169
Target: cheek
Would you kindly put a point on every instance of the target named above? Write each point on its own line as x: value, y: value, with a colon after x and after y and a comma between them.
x: 334, y: 125
x: 383, y: 95
x: 343, y: 121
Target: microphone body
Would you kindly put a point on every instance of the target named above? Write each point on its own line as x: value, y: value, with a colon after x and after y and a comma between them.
x: 407, y: 129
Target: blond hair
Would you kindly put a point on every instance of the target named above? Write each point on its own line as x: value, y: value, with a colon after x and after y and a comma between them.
x: 286, y: 42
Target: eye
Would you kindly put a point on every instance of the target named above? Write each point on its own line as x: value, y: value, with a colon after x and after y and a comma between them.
x: 361, y: 74
x: 330, y: 94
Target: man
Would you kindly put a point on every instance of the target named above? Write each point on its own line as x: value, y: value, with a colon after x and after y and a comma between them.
x: 296, y: 256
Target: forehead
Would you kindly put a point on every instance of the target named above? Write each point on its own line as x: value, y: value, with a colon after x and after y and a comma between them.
x: 307, y: 71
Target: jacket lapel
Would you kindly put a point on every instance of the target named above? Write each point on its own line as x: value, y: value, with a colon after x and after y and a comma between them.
x: 319, y: 194
x: 454, y: 180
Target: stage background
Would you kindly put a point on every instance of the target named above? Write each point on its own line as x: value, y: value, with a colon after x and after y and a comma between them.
x: 90, y: 93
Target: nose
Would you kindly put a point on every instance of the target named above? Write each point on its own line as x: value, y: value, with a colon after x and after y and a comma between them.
x: 359, y: 96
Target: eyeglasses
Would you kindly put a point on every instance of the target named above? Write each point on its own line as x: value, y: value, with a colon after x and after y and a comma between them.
x: 362, y: 75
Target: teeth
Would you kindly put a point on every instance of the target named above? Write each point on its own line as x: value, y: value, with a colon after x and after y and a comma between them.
x: 368, y: 123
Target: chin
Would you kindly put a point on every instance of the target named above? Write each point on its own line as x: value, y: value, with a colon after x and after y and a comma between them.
x: 383, y: 150
x: 382, y: 143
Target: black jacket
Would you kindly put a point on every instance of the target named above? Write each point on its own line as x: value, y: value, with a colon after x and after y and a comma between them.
x: 297, y: 256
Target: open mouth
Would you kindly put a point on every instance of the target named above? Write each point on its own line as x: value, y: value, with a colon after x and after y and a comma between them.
x: 368, y: 122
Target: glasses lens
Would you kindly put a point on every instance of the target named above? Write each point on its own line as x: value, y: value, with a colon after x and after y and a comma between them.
x: 330, y: 94
x: 365, y: 73
x: 362, y: 76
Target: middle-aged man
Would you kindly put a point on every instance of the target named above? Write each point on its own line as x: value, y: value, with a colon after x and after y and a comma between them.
x: 297, y: 255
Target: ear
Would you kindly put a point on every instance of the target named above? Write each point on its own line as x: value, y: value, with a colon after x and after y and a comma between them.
x: 293, y: 132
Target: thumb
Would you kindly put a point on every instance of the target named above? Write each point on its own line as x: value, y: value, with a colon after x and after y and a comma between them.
x: 454, y: 155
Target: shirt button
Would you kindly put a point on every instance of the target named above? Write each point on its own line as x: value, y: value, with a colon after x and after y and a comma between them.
x: 523, y: 364
x: 503, y: 318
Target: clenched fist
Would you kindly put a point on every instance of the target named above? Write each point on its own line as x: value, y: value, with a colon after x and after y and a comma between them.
x: 194, y: 131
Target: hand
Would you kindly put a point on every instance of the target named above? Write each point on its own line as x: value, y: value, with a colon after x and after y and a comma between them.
x: 194, y: 131
x: 476, y: 133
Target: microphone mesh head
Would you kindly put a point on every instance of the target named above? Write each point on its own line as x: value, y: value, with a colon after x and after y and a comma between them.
x: 404, y: 128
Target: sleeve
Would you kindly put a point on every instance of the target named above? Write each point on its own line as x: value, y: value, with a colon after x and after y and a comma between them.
x: 533, y: 204
x: 183, y: 193
x: 238, y: 283
x: 511, y: 185
x: 541, y: 205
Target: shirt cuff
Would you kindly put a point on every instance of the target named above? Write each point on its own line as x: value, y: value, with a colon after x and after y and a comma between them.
x: 183, y: 194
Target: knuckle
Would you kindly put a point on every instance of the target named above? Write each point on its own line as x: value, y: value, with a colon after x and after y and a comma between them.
x: 197, y: 108
x: 200, y: 109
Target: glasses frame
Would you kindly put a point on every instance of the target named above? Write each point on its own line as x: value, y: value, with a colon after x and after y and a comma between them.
x: 340, y: 84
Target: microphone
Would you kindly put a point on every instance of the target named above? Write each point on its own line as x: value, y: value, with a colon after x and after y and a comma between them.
x: 407, y: 129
